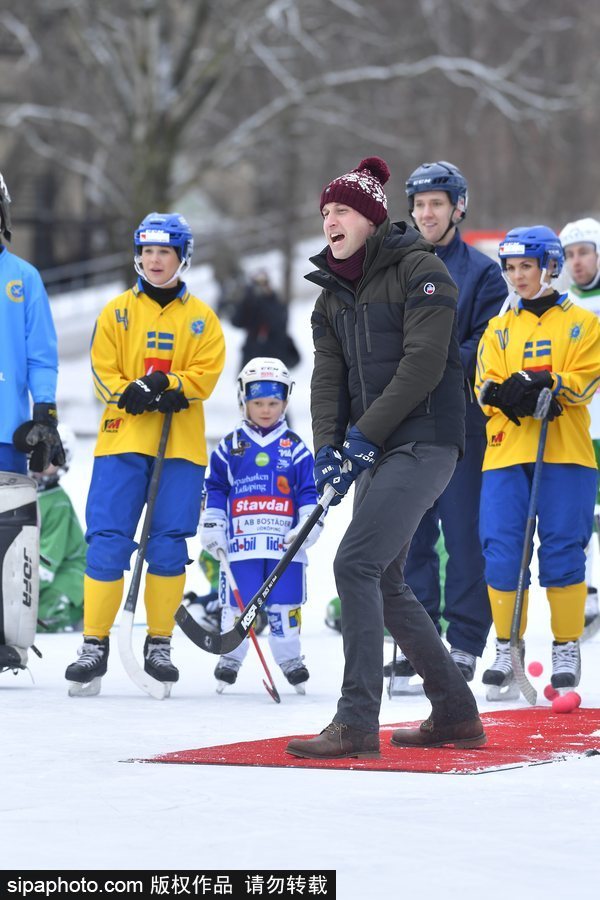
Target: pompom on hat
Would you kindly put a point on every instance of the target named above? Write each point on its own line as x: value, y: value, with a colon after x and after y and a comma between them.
x: 362, y: 189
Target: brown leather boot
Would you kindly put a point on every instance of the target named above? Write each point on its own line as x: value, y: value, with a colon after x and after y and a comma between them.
x: 337, y: 741
x: 459, y: 734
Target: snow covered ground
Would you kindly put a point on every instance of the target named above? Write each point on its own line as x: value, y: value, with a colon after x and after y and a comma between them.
x: 69, y: 800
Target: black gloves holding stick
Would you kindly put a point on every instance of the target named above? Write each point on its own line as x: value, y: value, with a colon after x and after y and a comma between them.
x: 150, y: 393
x: 518, y: 395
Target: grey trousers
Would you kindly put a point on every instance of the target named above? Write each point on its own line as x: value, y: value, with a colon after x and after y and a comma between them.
x: 389, y: 503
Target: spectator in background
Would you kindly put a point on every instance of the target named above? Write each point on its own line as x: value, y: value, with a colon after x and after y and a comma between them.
x: 437, y: 200
x: 581, y: 242
x: 264, y: 317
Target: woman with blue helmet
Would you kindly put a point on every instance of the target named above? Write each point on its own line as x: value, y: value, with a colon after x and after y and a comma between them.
x: 541, y: 340
x: 155, y: 349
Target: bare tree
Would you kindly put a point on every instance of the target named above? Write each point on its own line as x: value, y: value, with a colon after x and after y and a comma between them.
x: 146, y: 100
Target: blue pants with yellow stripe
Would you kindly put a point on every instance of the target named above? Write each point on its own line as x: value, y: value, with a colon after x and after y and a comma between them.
x: 565, y: 513
x: 116, y: 499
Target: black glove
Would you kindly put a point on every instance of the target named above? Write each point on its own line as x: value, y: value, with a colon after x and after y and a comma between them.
x: 493, y: 397
x: 528, y: 406
x: 171, y: 401
x: 328, y: 471
x: 515, y: 388
x: 140, y: 394
x: 40, y: 438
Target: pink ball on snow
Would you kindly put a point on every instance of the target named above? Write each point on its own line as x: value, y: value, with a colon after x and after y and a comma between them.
x: 535, y: 668
x: 565, y: 703
x: 550, y: 692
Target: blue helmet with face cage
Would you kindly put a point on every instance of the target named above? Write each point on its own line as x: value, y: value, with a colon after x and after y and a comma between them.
x: 164, y: 229
x: 536, y: 242
x: 439, y: 176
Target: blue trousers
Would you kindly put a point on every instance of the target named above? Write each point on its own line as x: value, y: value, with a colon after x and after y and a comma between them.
x: 467, y: 607
x: 565, y: 513
x: 116, y: 498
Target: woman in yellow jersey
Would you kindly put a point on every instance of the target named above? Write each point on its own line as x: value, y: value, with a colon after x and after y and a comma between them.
x: 542, y: 340
x: 155, y: 348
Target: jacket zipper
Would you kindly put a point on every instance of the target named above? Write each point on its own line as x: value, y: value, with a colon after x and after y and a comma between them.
x: 347, y: 333
x: 367, y: 331
x: 363, y: 389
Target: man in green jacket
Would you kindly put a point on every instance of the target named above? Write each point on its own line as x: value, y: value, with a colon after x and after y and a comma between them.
x: 388, y: 410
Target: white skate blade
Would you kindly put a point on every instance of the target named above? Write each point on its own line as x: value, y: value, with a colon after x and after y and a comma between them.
x: 85, y: 688
x: 300, y: 689
x: 221, y: 685
x: 509, y: 691
x: 401, y: 685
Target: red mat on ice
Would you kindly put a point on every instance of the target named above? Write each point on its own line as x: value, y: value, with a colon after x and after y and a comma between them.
x: 516, y: 737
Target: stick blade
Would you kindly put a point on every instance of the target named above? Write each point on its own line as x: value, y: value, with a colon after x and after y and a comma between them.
x: 157, y: 689
x: 526, y: 687
x: 272, y: 691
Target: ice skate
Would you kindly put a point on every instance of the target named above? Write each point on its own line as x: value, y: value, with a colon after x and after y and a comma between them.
x: 226, y: 673
x: 157, y: 661
x: 500, y: 677
x: 403, y: 678
x: 296, y: 673
x: 566, y: 665
x: 86, y: 674
x: 465, y: 661
x: 12, y: 658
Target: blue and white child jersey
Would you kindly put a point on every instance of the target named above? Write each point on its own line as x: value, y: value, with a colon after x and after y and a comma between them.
x: 260, y: 483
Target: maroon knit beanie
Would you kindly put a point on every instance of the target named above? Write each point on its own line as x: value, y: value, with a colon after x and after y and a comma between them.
x: 361, y: 189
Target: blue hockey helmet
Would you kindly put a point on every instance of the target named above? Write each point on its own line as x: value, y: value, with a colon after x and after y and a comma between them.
x: 535, y: 241
x: 169, y: 230
x: 439, y: 176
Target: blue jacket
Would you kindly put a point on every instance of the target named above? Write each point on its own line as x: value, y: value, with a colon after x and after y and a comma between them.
x: 28, y: 350
x: 481, y: 292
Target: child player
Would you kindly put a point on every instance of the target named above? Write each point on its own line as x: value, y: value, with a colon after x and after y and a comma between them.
x: 259, y: 493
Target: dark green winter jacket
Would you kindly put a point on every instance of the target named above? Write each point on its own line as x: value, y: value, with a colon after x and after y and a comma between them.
x: 387, y: 356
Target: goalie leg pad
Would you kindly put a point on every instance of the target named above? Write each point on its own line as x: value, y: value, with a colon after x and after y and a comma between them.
x: 19, y: 562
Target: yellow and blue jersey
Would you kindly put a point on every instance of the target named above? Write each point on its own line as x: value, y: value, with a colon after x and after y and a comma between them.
x: 565, y: 341
x: 134, y: 336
